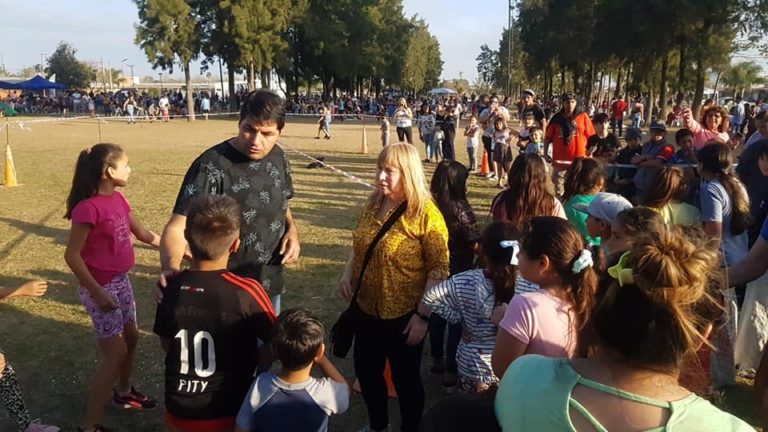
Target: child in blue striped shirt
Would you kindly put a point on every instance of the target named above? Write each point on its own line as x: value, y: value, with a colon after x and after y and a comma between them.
x: 473, y: 298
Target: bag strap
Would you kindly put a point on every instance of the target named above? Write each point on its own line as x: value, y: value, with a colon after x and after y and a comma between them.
x: 369, y: 252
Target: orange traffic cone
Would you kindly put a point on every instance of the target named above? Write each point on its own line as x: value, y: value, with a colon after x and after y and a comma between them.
x: 391, y: 392
x: 484, y: 169
x: 10, y: 171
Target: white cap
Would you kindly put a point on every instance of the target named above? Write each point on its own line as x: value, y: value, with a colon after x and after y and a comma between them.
x: 605, y: 206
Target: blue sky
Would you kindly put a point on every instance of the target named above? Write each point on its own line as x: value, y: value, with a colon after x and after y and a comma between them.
x: 103, y: 29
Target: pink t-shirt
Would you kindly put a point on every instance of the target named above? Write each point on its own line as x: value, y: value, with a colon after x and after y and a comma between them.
x: 701, y: 135
x: 108, y: 250
x: 544, y: 322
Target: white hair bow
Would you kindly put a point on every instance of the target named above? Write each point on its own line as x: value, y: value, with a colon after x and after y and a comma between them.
x: 515, y: 245
x: 582, y: 262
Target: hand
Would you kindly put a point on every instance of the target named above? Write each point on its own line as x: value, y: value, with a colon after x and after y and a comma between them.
x: 346, y: 290
x: 162, y: 282
x: 33, y: 289
x: 187, y: 254
x: 105, y: 300
x: 498, y: 313
x: 687, y: 114
x: 289, y: 246
x: 416, y: 330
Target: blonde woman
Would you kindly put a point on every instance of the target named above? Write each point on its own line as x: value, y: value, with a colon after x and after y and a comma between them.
x: 403, y: 118
x: 411, y: 257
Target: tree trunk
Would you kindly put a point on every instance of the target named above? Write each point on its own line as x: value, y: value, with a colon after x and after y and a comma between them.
x: 663, y: 87
x: 190, y: 101
x: 617, y: 91
x: 717, y: 83
x: 600, y: 90
x: 266, y: 79
x: 651, y: 104
x: 232, y: 97
x: 699, y: 92
x: 591, y: 83
x: 251, y: 76
x: 682, y: 67
x: 562, y: 79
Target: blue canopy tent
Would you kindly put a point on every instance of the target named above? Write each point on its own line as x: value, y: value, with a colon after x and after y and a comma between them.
x: 39, y: 83
x: 5, y: 85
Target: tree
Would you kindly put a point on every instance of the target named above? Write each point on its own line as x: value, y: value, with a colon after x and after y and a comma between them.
x: 68, y: 69
x: 423, y: 64
x: 168, y: 33
x: 487, y: 65
x: 742, y: 76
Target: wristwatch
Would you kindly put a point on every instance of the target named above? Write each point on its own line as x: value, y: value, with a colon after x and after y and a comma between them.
x: 422, y: 316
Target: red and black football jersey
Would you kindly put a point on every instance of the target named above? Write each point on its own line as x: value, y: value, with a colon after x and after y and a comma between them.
x: 215, y: 322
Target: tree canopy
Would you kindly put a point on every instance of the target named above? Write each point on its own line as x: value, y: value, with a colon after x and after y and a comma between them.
x: 348, y: 45
x: 655, y: 47
x: 68, y: 69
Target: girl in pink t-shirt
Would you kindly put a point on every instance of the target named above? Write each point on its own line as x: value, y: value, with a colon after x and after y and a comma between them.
x: 100, y: 254
x: 714, y: 126
x: 549, y: 321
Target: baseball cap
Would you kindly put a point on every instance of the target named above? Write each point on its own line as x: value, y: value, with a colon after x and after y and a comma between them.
x: 633, y: 132
x: 529, y: 92
x: 657, y: 125
x: 605, y: 206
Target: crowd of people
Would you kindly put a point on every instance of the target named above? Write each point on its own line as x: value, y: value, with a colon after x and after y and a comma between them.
x: 600, y: 303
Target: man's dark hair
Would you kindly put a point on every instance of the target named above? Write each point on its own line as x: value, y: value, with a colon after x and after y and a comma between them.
x: 213, y: 223
x: 298, y: 336
x: 600, y: 118
x: 682, y: 133
x: 264, y: 106
x: 761, y: 148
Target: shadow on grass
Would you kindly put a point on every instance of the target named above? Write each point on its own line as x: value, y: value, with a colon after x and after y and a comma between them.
x: 36, y: 228
x: 54, y: 354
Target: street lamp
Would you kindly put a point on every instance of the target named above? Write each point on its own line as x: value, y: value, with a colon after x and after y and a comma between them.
x: 122, y: 70
x: 42, y: 62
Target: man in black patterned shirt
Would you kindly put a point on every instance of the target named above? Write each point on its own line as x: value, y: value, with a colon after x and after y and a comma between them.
x: 253, y: 170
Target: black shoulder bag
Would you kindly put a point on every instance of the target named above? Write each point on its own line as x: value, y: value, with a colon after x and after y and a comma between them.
x: 343, y: 332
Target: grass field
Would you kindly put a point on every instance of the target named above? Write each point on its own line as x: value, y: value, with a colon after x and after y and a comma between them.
x: 49, y: 341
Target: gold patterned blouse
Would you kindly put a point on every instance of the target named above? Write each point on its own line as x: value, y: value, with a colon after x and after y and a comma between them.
x: 413, y: 250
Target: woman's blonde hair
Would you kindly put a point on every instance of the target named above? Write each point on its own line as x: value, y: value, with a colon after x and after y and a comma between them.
x: 659, y: 317
x: 405, y: 158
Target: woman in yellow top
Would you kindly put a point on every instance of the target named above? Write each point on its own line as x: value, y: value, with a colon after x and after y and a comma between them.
x: 666, y: 195
x: 411, y: 257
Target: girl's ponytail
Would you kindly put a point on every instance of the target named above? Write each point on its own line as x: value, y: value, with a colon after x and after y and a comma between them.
x: 715, y: 158
x: 584, y: 175
x: 574, y: 262
x: 497, y: 252
x: 89, y: 169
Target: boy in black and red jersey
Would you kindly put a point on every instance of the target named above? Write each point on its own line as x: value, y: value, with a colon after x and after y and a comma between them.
x: 210, y: 323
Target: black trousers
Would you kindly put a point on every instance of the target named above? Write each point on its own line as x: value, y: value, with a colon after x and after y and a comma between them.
x: 449, y: 152
x: 487, y: 141
x: 437, y: 327
x: 405, y: 133
x: 376, y: 341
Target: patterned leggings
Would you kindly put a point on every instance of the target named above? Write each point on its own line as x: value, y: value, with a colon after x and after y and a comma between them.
x: 11, y: 397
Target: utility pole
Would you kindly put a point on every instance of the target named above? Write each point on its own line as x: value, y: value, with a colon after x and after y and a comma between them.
x: 509, y: 50
x: 103, y: 78
x: 131, y: 66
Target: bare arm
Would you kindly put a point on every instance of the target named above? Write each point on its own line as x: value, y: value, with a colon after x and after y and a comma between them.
x: 290, y: 247
x: 752, y: 266
x: 713, y: 229
x: 77, y: 237
x: 507, y: 350
x: 330, y: 370
x: 144, y: 235
x: 172, y: 243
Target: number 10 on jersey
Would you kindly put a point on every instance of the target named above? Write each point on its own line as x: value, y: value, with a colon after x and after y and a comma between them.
x: 204, y: 367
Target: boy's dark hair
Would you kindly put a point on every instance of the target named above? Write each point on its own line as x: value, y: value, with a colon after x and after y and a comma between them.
x: 600, y: 118
x: 298, y: 336
x: 264, y: 106
x: 213, y: 223
x: 682, y: 133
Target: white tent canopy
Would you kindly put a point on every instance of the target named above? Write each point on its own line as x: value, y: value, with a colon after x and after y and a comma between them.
x: 440, y: 91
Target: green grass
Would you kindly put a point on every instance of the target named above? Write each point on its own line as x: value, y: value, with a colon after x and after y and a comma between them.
x: 49, y: 341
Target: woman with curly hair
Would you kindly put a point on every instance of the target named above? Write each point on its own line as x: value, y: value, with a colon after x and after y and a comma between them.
x: 712, y: 126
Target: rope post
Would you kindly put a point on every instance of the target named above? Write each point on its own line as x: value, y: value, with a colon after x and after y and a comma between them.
x: 364, y: 145
x: 10, y: 170
x: 98, y: 120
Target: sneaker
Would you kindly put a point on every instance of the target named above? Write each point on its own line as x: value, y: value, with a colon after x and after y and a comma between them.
x: 367, y: 428
x: 492, y: 177
x: 134, y: 399
x: 36, y: 426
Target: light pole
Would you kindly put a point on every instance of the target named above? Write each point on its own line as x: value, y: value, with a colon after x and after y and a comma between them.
x: 122, y: 69
x: 42, y: 62
x: 161, y: 83
x: 509, y: 50
x: 131, y: 66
